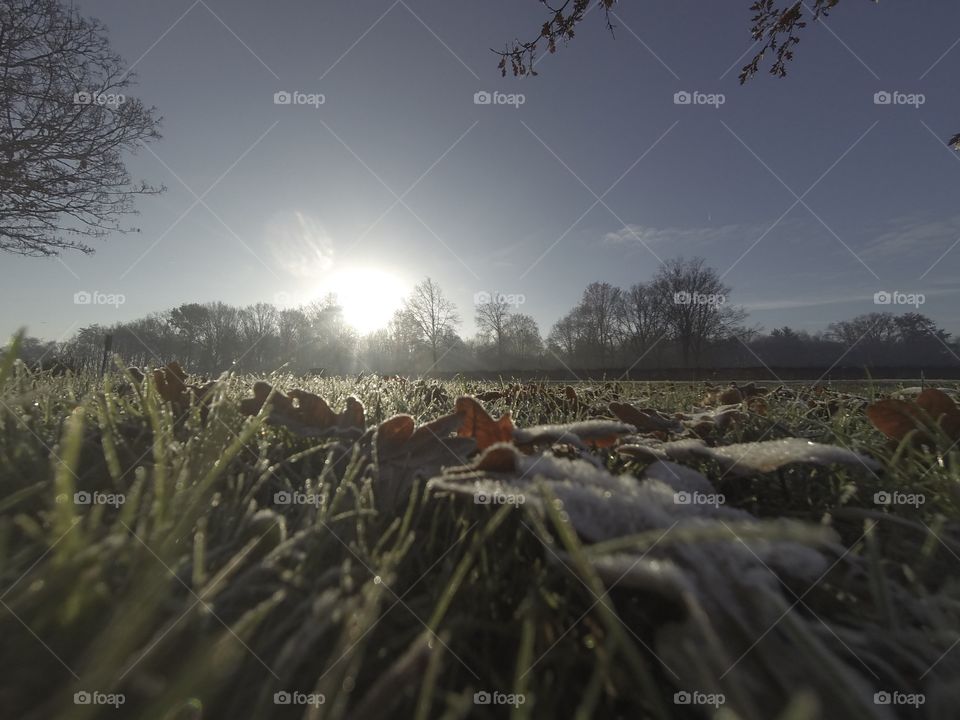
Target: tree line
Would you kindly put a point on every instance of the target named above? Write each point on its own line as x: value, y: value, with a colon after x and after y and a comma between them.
x: 681, y: 318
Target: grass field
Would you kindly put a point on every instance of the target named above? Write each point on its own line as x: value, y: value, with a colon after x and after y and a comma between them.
x: 188, y: 560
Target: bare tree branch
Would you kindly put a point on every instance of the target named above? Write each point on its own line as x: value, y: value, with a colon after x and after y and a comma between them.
x: 66, y: 121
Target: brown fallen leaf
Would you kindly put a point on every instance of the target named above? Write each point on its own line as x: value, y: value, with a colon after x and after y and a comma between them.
x: 308, y: 408
x: 478, y: 424
x: 896, y: 418
x: 352, y: 416
x: 490, y: 395
x: 393, y: 433
x: 305, y: 413
x: 644, y: 420
x: 397, y: 435
x: 406, y: 455
x: 734, y: 394
x: 172, y: 386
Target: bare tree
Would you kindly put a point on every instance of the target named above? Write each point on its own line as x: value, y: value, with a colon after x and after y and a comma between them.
x: 258, y: 332
x: 643, y: 320
x: 566, y: 335
x: 600, y: 308
x: 434, y: 314
x: 492, y: 318
x: 523, y: 337
x: 65, y: 123
x: 695, y: 305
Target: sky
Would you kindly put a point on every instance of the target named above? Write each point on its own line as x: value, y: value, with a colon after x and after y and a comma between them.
x: 804, y: 193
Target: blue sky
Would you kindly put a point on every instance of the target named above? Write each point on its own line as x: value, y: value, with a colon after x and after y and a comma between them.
x: 806, y: 195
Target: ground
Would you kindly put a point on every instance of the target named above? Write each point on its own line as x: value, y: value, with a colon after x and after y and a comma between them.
x: 192, y: 555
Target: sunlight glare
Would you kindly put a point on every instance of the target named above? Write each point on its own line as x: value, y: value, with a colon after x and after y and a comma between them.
x: 369, y: 296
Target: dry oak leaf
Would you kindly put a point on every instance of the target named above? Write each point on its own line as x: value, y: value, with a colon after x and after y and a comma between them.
x: 734, y: 394
x: 644, y: 420
x: 398, y: 436
x: 896, y: 418
x: 171, y: 384
x: 406, y: 454
x: 478, y: 424
x: 304, y: 413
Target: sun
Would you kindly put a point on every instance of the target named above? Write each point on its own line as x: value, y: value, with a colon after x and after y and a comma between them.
x: 369, y: 296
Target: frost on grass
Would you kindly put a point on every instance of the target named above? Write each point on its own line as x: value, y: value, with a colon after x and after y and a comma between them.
x: 745, y: 459
x: 668, y: 538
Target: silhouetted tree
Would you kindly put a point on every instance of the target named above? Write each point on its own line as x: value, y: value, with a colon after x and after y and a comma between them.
x: 523, y: 338
x: 695, y: 304
x: 65, y: 124
x: 433, y: 313
x: 643, y: 322
x: 492, y: 318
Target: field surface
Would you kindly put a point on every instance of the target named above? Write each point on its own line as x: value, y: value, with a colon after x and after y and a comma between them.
x: 277, y: 547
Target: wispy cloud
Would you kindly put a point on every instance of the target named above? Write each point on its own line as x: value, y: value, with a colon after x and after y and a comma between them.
x: 300, y: 245
x: 865, y: 296
x: 686, y: 239
x: 908, y: 235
